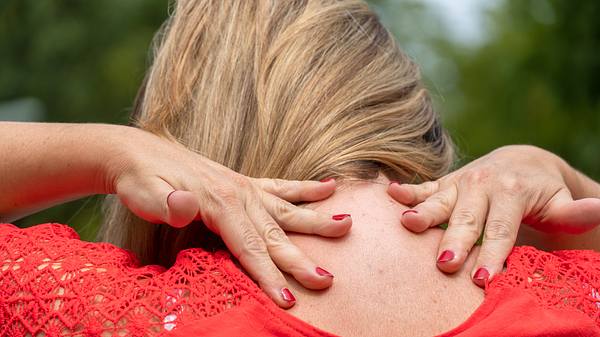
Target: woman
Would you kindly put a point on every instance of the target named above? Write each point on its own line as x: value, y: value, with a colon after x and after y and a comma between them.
x: 290, y: 90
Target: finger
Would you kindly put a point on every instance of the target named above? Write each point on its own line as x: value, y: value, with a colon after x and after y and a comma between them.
x: 158, y: 202
x: 285, y: 254
x: 464, y: 228
x: 182, y: 208
x: 501, y: 228
x: 565, y: 215
x: 295, y: 190
x: 410, y: 194
x: 247, y: 245
x: 433, y: 211
x: 292, y: 218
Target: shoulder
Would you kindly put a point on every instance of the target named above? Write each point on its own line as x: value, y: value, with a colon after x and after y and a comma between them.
x: 42, y: 231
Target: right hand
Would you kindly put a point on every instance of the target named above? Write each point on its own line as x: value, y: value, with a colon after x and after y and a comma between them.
x: 493, y: 195
x: 161, y: 181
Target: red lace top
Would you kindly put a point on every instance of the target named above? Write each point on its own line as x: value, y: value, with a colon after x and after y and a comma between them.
x: 53, y: 284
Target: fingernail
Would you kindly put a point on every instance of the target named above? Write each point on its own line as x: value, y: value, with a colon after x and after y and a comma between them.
x: 326, y: 180
x: 394, y: 182
x: 340, y: 217
x: 323, y: 272
x: 287, y: 295
x: 446, y: 256
x: 409, y: 211
x: 169, y: 196
x: 481, y: 275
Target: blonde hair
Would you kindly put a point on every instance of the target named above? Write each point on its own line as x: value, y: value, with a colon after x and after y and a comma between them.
x: 301, y: 89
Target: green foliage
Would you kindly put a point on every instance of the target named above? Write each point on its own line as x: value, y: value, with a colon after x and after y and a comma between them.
x: 83, y: 60
x: 535, y: 80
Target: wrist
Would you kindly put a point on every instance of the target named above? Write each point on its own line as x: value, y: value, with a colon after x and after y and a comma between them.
x: 50, y: 163
x: 115, y: 149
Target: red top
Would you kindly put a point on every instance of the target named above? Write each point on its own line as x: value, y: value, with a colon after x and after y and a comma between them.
x: 53, y: 283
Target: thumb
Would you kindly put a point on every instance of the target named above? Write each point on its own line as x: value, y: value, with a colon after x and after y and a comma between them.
x: 182, y: 208
x: 157, y: 201
x: 570, y: 216
x: 411, y: 194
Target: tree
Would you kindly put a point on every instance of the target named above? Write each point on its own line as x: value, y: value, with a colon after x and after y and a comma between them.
x: 536, y: 81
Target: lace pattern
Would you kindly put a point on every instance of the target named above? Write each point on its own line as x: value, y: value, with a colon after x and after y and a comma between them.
x: 568, y: 280
x: 53, y: 284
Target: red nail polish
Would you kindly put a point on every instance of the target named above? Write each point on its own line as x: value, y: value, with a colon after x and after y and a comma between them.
x: 287, y: 295
x: 340, y: 217
x: 323, y: 272
x: 446, y: 256
x: 409, y: 211
x: 326, y: 180
x: 481, y: 276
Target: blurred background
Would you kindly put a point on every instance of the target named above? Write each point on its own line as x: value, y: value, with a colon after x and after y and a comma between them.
x: 500, y: 71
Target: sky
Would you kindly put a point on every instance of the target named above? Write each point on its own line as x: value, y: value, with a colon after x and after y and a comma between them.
x: 464, y: 20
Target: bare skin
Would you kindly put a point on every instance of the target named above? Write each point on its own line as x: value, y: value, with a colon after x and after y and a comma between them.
x: 44, y: 164
x: 391, y: 285
x: 493, y: 195
x: 385, y: 283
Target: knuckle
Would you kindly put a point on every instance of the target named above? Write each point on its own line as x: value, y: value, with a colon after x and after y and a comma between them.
x: 225, y: 192
x: 477, y: 176
x: 281, y: 187
x: 283, y: 210
x: 253, y: 245
x: 259, y: 182
x: 430, y: 187
x: 511, y: 184
x: 443, y: 200
x: 465, y: 217
x: 241, y: 181
x: 274, y: 236
x: 499, y: 230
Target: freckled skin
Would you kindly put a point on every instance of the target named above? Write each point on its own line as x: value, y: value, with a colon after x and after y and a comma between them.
x: 386, y: 279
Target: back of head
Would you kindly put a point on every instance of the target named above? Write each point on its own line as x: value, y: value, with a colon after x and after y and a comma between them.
x: 298, y: 89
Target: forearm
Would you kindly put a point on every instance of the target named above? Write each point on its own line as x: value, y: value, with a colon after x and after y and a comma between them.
x: 44, y: 164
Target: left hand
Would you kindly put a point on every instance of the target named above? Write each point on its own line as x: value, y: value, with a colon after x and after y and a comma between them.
x: 495, y: 194
x: 164, y: 182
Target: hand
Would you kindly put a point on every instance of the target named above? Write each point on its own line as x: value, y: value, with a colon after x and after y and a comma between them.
x: 495, y: 194
x: 164, y: 182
